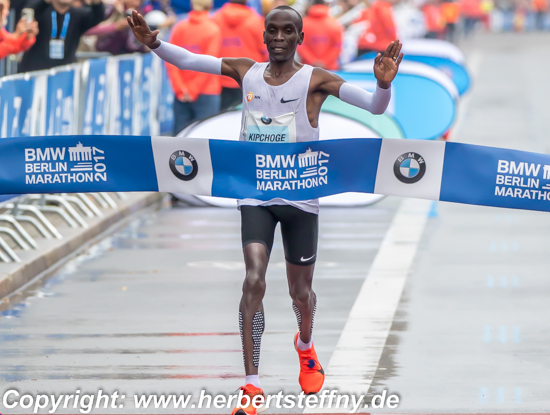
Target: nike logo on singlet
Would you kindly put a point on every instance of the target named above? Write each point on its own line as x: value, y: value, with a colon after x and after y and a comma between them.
x: 290, y: 100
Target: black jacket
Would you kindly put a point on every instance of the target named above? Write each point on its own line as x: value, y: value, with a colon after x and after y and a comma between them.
x: 81, y: 20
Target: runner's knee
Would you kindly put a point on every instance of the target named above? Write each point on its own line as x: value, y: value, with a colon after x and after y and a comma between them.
x: 254, y: 283
x: 301, y: 295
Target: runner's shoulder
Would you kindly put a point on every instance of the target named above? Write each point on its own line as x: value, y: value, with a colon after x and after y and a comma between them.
x: 236, y: 68
x: 321, y: 77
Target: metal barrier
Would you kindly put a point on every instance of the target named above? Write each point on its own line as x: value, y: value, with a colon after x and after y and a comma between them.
x: 127, y: 94
x: 22, y: 213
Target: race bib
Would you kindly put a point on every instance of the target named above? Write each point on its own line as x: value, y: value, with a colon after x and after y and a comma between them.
x: 260, y: 129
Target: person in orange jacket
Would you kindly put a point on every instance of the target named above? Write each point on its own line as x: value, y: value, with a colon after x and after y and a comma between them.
x: 380, y: 29
x: 197, y: 94
x: 242, y: 33
x: 323, y: 42
x: 21, y: 39
x: 471, y: 10
x: 433, y: 18
x: 450, y: 9
x: 540, y: 7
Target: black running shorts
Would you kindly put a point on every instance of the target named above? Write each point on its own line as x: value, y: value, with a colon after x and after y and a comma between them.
x: 300, y: 230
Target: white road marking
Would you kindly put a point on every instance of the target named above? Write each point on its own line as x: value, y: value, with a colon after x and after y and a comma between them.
x: 355, y: 359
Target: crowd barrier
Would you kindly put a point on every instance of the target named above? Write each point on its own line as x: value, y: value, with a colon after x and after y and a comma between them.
x: 124, y: 95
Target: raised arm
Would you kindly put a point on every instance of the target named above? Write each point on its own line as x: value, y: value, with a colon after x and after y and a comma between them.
x: 181, y: 58
x: 385, y: 70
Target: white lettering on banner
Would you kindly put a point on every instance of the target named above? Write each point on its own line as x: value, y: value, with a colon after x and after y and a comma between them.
x: 279, y: 172
x: 85, y: 165
x: 522, y: 180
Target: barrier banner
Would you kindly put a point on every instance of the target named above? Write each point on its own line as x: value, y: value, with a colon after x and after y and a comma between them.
x: 145, y: 94
x: 165, y: 110
x: 61, y: 101
x: 451, y: 172
x: 123, y: 107
x: 16, y: 107
x: 95, y: 121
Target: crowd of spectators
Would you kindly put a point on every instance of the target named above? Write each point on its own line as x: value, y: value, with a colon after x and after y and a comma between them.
x: 49, y: 33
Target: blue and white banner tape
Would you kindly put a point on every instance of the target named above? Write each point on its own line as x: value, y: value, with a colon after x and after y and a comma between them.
x: 449, y: 172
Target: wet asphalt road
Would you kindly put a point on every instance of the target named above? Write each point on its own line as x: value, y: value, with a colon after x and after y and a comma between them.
x: 154, y: 308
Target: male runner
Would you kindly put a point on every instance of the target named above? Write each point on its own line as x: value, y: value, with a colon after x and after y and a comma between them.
x: 285, y: 94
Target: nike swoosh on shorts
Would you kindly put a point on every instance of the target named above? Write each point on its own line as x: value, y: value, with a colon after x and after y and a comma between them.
x: 307, y: 259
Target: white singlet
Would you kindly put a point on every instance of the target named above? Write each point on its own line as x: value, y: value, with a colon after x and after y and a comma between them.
x: 277, y: 114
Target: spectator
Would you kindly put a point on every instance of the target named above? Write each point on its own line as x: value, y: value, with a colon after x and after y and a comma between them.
x: 380, y: 30
x: 159, y: 5
x: 540, y: 7
x: 471, y: 10
x: 197, y: 94
x: 114, y: 35
x: 242, y: 37
x: 21, y: 39
x: 61, y: 25
x: 433, y: 18
x: 323, y: 39
x: 450, y: 9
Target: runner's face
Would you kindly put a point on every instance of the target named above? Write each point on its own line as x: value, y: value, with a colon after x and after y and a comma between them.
x: 281, y: 35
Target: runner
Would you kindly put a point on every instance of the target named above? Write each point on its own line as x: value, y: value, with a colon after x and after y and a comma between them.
x: 284, y: 96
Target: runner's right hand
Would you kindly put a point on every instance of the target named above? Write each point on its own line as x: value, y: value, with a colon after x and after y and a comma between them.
x: 142, y: 32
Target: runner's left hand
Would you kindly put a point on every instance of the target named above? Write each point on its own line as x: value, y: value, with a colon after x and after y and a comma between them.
x: 386, y: 66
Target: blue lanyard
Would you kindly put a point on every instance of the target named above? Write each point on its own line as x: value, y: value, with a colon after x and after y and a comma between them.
x: 66, y: 20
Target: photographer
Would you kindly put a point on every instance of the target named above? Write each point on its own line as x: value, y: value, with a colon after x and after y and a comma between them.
x: 21, y: 39
x: 61, y: 25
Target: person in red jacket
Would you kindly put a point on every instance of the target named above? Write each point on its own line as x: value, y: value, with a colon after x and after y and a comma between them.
x: 380, y: 29
x: 242, y: 33
x: 433, y: 17
x: 197, y: 94
x: 21, y: 39
x: 323, y: 42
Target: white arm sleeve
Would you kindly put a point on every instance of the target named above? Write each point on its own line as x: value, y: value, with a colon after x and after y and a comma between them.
x: 183, y: 59
x: 375, y: 103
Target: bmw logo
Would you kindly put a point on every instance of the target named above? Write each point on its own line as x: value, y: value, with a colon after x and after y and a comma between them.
x: 409, y: 168
x: 183, y: 165
x: 266, y: 120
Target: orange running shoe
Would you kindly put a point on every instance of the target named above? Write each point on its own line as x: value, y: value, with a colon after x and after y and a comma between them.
x: 312, y: 374
x: 251, y: 391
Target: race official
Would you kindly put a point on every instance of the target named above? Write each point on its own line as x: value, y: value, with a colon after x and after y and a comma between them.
x: 323, y: 43
x: 197, y: 93
x: 380, y: 27
x: 60, y: 27
x: 242, y: 31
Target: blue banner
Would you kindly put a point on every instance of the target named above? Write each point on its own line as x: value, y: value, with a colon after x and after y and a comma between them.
x: 16, y: 97
x: 125, y: 109
x: 95, y: 110
x: 165, y: 109
x: 451, y: 172
x: 145, y: 92
x: 60, y: 104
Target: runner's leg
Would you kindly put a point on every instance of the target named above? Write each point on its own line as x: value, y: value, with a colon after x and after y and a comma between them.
x: 300, y: 234
x: 257, y: 230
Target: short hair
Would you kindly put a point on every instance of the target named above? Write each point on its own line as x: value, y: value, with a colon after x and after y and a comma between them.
x: 300, y: 22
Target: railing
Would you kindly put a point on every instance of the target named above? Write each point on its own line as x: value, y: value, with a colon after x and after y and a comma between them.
x: 128, y: 94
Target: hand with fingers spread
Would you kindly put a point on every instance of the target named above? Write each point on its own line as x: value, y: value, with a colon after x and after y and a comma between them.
x: 142, y: 32
x: 386, y: 65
